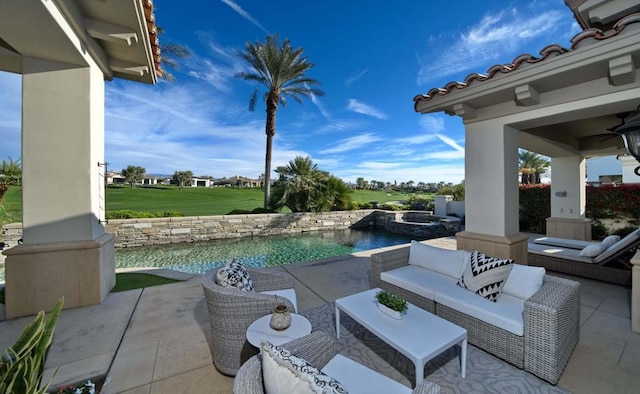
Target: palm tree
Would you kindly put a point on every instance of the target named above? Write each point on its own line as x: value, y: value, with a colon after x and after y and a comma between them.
x: 303, y: 187
x: 171, y: 53
x: 531, y: 166
x: 281, y: 70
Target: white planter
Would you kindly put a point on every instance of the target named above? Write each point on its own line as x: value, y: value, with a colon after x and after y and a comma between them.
x: 390, y: 312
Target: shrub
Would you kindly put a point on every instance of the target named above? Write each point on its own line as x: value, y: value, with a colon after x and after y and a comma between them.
x: 131, y: 214
x: 624, y: 231
x: 598, y: 230
x: 535, y: 207
x: 22, y: 364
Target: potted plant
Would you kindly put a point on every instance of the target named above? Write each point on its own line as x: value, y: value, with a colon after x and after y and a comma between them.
x: 391, y: 304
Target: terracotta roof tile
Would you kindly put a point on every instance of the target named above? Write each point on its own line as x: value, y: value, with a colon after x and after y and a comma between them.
x: 585, y: 37
x: 153, y: 35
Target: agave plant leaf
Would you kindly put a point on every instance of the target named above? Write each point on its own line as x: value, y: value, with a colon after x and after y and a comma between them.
x: 30, y: 336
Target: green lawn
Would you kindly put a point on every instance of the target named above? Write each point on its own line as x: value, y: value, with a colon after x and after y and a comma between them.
x: 190, y: 201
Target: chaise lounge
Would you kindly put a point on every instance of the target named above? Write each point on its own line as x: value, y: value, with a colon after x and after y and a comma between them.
x: 600, y: 261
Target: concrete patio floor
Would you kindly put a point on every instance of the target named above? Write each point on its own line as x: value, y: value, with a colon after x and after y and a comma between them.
x: 155, y: 340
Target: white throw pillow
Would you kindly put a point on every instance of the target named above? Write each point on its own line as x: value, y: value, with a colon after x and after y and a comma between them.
x: 444, y: 261
x: 592, y: 250
x: 610, y: 240
x: 524, y: 281
x: 283, y: 372
x: 485, y: 275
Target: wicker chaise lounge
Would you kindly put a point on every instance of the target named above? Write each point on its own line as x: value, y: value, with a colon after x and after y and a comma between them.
x: 317, y: 348
x: 610, y: 266
x: 551, y: 320
x: 231, y: 311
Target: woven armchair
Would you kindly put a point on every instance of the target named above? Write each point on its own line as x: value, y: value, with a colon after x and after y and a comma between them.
x: 318, y: 348
x: 231, y: 311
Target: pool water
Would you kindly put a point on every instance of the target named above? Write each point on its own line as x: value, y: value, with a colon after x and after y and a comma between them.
x: 263, y: 251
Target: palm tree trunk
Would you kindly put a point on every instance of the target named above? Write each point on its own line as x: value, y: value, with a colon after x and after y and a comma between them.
x: 270, y: 130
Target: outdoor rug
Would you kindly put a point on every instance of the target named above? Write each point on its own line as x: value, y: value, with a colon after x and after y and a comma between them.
x: 485, y: 372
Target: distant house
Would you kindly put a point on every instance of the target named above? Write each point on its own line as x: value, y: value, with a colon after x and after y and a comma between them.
x: 239, y: 181
x: 203, y: 181
x: 114, y: 178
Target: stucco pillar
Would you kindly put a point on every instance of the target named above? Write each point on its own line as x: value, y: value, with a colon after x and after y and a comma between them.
x: 65, y: 250
x: 440, y: 204
x: 568, y: 199
x: 491, y: 192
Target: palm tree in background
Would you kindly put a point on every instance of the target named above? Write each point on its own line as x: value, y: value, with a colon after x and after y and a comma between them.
x: 171, y: 54
x: 281, y: 70
x: 531, y: 166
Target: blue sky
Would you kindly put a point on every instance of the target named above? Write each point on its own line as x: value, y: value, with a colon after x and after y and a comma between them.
x: 371, y: 57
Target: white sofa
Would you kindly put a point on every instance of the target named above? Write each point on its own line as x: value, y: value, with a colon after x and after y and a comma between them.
x: 534, y: 324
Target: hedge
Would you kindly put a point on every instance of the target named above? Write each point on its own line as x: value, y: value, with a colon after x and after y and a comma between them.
x: 603, y: 202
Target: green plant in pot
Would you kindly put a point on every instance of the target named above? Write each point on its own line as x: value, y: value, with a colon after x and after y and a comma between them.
x: 392, y: 301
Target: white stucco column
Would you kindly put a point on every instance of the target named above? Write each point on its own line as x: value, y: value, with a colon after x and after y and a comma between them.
x: 568, y: 199
x: 65, y: 250
x: 491, y: 192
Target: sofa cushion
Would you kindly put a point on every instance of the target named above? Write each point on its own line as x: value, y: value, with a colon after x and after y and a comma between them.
x: 357, y: 378
x: 523, y: 281
x: 506, y: 313
x: 282, y: 372
x: 445, y: 261
x: 592, y: 250
x: 485, y: 275
x: 234, y: 275
x: 417, y: 280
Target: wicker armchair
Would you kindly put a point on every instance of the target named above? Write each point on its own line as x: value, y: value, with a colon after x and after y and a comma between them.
x: 231, y: 311
x: 318, y: 348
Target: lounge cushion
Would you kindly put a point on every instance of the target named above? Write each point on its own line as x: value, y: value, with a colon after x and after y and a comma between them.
x: 592, y: 250
x: 357, y: 378
x: 563, y: 253
x: 485, y: 275
x: 234, y: 275
x: 505, y: 313
x: 289, y: 294
x: 623, y: 244
x: 418, y: 280
x: 445, y: 261
x: 282, y: 372
x: 610, y: 240
x: 564, y: 242
x: 523, y: 281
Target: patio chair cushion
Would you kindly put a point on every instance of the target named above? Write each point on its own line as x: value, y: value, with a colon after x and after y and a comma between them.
x: 523, y: 281
x: 610, y: 240
x: 234, y: 275
x: 282, y: 372
x: 624, y: 243
x: 444, y: 261
x: 360, y: 379
x: 592, y: 250
x: 485, y: 275
x: 418, y: 280
x: 289, y: 294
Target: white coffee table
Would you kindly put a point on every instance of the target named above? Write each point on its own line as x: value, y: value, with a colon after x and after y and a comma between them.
x: 259, y: 330
x: 419, y: 335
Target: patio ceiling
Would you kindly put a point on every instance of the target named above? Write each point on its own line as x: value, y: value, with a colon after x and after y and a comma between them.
x: 563, y: 100
x: 120, y: 36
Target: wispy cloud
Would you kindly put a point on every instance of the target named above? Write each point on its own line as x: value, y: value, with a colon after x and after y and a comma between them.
x: 494, y: 39
x: 355, y: 76
x: 219, y: 66
x: 318, y: 103
x: 451, y: 142
x: 365, y: 109
x: 244, y: 14
x: 352, y: 143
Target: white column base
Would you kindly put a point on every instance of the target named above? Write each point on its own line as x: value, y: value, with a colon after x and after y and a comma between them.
x: 37, y: 275
x: 503, y: 247
x: 579, y: 229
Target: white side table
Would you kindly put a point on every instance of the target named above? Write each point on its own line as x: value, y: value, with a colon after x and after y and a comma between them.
x: 259, y: 330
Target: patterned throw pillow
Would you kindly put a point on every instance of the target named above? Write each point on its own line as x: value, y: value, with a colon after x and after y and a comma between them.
x: 485, y: 275
x: 282, y: 372
x: 234, y: 275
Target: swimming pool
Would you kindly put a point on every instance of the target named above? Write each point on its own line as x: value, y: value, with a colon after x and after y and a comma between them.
x: 264, y: 251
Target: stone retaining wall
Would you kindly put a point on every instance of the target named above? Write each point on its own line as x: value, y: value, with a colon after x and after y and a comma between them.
x: 139, y: 232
